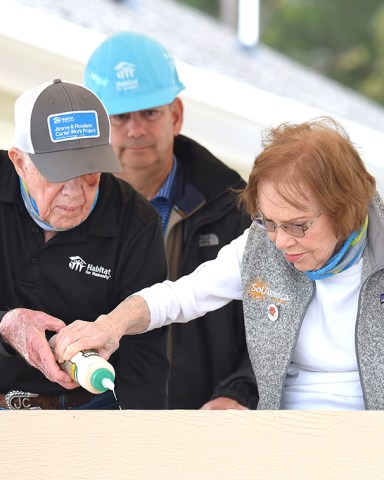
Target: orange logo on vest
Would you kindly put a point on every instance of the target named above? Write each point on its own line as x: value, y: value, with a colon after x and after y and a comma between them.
x: 258, y: 289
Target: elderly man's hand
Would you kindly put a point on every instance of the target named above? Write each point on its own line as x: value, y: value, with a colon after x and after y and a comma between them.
x: 24, y: 330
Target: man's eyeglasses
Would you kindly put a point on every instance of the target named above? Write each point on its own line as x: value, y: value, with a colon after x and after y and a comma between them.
x: 120, y: 119
x: 291, y: 229
x: 147, y: 115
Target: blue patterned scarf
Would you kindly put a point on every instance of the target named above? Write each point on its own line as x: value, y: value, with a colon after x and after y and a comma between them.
x: 349, y: 254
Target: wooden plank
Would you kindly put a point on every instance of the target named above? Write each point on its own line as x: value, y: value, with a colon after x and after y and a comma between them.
x: 184, y: 445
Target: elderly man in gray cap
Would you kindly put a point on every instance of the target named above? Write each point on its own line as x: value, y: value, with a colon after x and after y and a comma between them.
x: 75, y: 242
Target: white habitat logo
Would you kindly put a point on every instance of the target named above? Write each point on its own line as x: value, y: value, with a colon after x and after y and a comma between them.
x: 125, y: 73
x: 78, y: 264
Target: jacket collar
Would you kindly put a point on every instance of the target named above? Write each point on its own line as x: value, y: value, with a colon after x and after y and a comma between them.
x: 194, y: 189
x: 193, y: 159
x: 376, y: 232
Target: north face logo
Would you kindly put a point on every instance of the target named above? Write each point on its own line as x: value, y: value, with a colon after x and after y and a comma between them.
x: 208, y: 240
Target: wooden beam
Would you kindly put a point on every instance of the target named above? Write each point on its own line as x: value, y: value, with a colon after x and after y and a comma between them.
x: 188, y: 445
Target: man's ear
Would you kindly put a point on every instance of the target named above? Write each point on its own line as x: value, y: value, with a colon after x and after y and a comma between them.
x: 178, y: 115
x: 17, y: 158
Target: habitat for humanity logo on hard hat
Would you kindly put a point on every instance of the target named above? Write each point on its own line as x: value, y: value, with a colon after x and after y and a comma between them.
x: 125, y: 73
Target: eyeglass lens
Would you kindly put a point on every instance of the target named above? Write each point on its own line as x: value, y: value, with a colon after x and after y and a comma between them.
x: 294, y: 230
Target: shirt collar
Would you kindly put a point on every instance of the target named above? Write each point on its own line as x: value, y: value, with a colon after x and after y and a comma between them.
x: 166, y: 191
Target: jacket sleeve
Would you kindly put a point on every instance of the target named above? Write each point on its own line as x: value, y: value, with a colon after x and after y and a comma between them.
x: 5, y: 349
x: 240, y: 385
x: 142, y: 371
x: 141, y: 361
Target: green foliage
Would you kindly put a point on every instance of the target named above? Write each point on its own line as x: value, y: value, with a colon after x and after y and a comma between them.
x: 343, y: 39
x: 208, y: 6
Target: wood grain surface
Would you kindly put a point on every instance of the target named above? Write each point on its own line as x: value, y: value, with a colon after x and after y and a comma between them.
x: 184, y: 445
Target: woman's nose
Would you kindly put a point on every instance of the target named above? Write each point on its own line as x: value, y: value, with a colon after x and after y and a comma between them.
x: 282, y: 239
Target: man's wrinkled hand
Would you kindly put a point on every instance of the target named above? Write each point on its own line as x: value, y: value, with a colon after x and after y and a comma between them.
x: 24, y: 330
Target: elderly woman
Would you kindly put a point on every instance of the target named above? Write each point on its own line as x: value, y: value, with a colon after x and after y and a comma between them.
x: 310, y: 271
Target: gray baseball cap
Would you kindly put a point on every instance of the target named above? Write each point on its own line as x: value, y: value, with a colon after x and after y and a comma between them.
x: 65, y: 129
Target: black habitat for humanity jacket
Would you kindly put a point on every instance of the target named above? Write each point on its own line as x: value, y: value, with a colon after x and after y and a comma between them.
x: 208, y: 356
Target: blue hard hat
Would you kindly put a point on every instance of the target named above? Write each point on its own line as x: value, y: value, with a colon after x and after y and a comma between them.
x: 130, y: 71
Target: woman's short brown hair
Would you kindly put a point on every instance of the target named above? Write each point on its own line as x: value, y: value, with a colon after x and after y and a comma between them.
x: 319, y: 157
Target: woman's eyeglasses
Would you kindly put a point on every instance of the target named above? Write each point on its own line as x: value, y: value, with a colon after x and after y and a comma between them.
x: 291, y: 229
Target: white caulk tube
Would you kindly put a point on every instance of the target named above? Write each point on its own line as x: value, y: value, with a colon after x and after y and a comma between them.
x: 91, y: 371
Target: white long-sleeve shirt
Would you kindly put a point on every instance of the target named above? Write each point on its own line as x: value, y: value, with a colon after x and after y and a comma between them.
x: 211, y: 286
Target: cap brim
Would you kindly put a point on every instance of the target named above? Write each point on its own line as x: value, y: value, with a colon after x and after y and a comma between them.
x: 64, y: 165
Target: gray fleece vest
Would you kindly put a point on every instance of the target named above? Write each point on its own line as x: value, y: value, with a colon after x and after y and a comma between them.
x: 276, y: 297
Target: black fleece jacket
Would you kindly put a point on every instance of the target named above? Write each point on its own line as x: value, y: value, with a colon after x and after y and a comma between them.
x: 208, y: 356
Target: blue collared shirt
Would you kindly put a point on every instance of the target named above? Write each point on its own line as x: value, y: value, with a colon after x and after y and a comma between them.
x: 164, y: 198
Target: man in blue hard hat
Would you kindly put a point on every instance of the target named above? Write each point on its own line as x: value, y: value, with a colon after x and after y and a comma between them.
x: 136, y: 78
